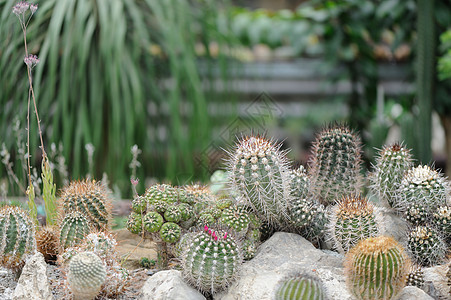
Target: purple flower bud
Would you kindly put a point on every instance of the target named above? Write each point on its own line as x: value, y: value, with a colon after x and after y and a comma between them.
x: 20, y: 8
x: 206, y: 228
x: 225, y: 235
x: 134, y: 181
x: 33, y: 8
x: 31, y: 60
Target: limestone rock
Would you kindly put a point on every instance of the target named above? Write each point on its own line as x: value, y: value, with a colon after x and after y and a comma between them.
x: 169, y: 285
x: 413, y: 293
x: 33, y: 282
x: 131, y: 247
x: 281, y: 255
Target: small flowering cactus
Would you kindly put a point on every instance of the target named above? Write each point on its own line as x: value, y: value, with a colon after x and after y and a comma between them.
x: 426, y: 246
x: 211, y: 261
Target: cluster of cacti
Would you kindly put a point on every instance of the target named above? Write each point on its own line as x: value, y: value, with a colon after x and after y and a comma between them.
x: 89, y: 198
x: 86, y: 275
x: 260, y: 177
x: 352, y: 219
x: 299, y: 287
x: 17, y: 237
x: 391, y: 164
x: 211, y: 261
x: 335, y: 164
x: 426, y: 246
x: 376, y: 268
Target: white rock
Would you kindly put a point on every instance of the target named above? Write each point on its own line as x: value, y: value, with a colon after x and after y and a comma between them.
x: 169, y: 285
x: 281, y: 255
x: 33, y: 282
x: 413, y: 293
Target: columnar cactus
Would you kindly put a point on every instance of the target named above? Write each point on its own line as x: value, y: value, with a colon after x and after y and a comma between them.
x: 335, y: 164
x: 260, y: 177
x: 211, y: 261
x: 391, y: 164
x: 74, y: 227
x: 300, y: 287
x: 90, y: 199
x: 376, y: 268
x: 352, y: 219
x: 426, y: 246
x: 424, y: 186
x: 17, y: 237
x: 86, y: 275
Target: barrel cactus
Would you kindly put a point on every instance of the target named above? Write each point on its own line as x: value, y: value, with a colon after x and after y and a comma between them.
x: 391, y: 164
x: 376, y: 268
x: 424, y: 186
x: 352, y: 219
x: 74, y: 227
x: 90, y: 198
x: 17, y: 234
x: 299, y: 287
x: 86, y: 275
x: 426, y: 246
x: 211, y: 261
x: 260, y: 177
x: 335, y: 164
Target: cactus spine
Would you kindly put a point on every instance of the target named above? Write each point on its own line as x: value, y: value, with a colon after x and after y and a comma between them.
x: 391, y: 164
x: 260, y: 176
x: 90, y: 199
x: 352, y: 220
x: 211, y: 261
x: 335, y: 165
x: 17, y: 237
x: 376, y: 268
x: 300, y: 287
x: 86, y: 275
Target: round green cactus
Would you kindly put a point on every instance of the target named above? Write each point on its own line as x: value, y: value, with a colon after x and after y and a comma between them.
x: 186, y: 211
x: 300, y: 183
x: 441, y: 218
x: 162, y: 192
x: 206, y: 219
x: 18, y: 237
x: 170, y: 232
x: 335, y: 164
x: 74, y: 227
x: 211, y: 261
x: 423, y: 186
x: 249, y: 249
x: 376, y: 268
x: 416, y: 214
x: 352, y: 220
x: 260, y: 177
x: 86, y: 275
x: 391, y: 164
x: 300, y: 287
x: 139, y: 204
x: 236, y: 217
x: 426, y: 246
x: 152, y: 221
x: 135, y: 223
x: 90, y: 199
x: 223, y: 203
x: 173, y: 214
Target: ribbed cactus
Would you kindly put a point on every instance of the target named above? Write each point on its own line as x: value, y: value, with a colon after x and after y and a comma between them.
x: 352, y: 219
x: 211, y: 261
x: 86, y: 275
x: 391, y: 164
x: 90, y: 199
x: 426, y: 246
x: 300, y: 183
x: 74, y: 227
x: 170, y: 232
x: 135, y: 222
x: 17, y: 237
x: 260, y: 177
x: 424, y: 186
x: 47, y: 242
x: 376, y: 268
x: 300, y: 287
x: 335, y: 164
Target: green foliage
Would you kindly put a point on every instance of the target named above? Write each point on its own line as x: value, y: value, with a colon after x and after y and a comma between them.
x: 376, y: 268
x: 48, y: 193
x: 444, y: 62
x: 86, y: 275
x: 18, y: 237
x: 335, y: 164
x: 211, y: 261
x: 300, y: 287
x: 74, y: 227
